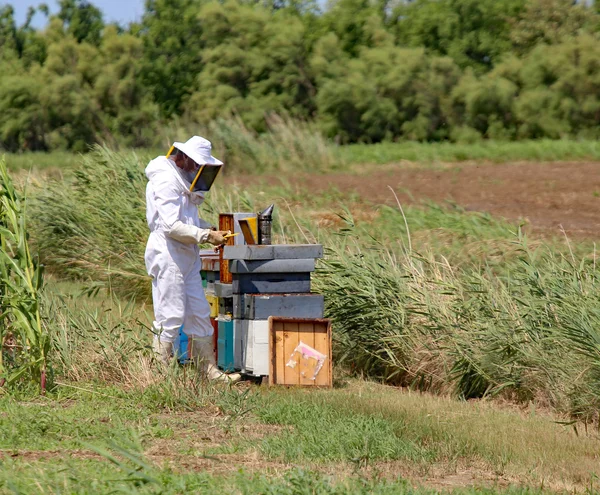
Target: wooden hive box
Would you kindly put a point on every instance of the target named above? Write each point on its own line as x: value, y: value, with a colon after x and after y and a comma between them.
x: 300, y: 351
x: 231, y: 221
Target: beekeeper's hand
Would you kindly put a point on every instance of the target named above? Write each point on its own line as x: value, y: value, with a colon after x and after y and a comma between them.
x: 217, y: 237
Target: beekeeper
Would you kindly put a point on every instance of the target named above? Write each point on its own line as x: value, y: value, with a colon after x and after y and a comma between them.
x: 172, y: 254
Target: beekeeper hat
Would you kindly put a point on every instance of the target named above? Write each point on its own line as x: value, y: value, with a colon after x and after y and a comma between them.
x: 199, y: 150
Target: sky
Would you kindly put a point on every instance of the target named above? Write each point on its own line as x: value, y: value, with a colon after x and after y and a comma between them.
x: 122, y: 11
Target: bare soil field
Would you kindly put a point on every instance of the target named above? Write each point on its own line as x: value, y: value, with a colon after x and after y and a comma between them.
x: 547, y: 196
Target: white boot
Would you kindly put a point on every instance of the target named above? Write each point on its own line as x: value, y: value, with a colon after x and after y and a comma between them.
x: 162, y: 350
x: 204, y: 359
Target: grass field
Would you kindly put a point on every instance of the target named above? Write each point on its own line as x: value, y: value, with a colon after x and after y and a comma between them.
x: 344, y: 157
x: 542, y: 150
x: 489, y: 334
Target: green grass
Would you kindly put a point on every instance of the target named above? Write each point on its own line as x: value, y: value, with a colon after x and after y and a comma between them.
x: 99, y: 477
x: 113, y: 422
x: 431, y: 153
x: 461, y: 304
x: 39, y: 161
x: 361, y: 438
x: 323, y: 432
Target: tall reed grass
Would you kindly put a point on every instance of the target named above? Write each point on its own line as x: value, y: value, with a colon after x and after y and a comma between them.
x: 414, y: 319
x: 92, y: 226
x: 288, y: 145
x: 106, y: 341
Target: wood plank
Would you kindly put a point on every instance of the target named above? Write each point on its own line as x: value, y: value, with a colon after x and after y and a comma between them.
x: 275, y: 350
x: 281, y: 353
x: 290, y: 342
x: 307, y: 366
x: 225, y: 223
x: 323, y: 378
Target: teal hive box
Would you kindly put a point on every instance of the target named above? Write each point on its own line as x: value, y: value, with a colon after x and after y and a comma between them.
x: 225, y: 346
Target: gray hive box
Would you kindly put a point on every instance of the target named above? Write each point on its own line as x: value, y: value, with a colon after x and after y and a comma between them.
x: 268, y: 280
x: 272, y: 266
x: 281, y: 283
x: 223, y: 290
x: 273, y: 252
x: 261, y: 306
x: 226, y: 305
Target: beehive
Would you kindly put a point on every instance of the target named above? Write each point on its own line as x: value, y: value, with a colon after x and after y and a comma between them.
x: 300, y: 351
x: 255, y: 347
x: 268, y: 280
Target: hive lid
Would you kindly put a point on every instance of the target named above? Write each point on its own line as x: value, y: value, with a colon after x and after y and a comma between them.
x: 273, y: 252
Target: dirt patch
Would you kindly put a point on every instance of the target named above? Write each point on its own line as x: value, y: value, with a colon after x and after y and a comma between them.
x: 166, y: 458
x: 250, y: 462
x: 198, y: 435
x: 448, y: 476
x: 440, y: 476
x: 36, y: 455
x: 547, y: 195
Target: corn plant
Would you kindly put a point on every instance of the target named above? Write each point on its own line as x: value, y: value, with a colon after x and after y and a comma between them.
x: 24, y: 342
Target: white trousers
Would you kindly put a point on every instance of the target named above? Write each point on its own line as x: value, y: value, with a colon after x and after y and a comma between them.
x: 178, y: 297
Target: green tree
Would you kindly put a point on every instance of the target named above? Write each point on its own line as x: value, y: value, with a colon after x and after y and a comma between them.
x: 482, y: 107
x: 23, y: 125
x: 560, y: 90
x: 125, y: 103
x: 552, y: 92
x: 255, y: 63
x: 386, y: 93
x: 356, y: 23
x: 8, y: 33
x: 172, y: 38
x: 83, y: 20
x: 31, y: 44
x: 475, y: 33
x: 67, y: 97
x: 550, y: 22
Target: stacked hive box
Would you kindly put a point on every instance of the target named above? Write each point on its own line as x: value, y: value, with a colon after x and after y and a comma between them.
x: 210, y: 273
x: 270, y: 280
x: 225, y: 340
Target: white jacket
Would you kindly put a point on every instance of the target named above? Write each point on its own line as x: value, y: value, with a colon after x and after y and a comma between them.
x: 172, y: 215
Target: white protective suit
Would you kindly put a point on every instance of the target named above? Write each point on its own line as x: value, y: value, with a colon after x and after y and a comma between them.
x: 172, y: 257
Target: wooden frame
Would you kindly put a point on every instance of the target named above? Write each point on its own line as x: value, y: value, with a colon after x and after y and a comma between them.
x: 296, y: 347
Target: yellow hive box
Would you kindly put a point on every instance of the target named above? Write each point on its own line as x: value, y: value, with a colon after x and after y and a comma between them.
x: 213, y: 301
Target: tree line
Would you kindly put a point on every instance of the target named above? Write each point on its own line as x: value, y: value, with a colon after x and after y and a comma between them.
x: 357, y: 70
